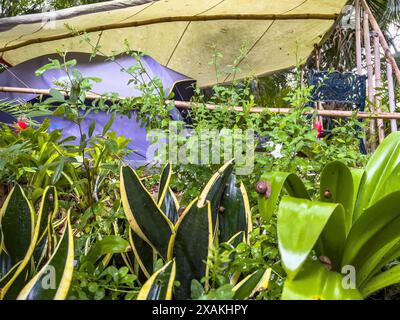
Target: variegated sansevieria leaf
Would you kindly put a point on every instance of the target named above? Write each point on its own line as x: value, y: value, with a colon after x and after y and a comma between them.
x: 17, y: 223
x: 143, y: 214
x: 214, y: 189
x: 167, y: 200
x: 17, y: 207
x: 160, y: 285
x: 143, y: 252
x: 191, y: 246
x: 249, y: 286
x: 52, y: 282
x: 48, y: 208
x: 234, y: 212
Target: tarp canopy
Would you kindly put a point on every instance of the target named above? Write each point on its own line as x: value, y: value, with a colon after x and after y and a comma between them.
x: 181, y: 34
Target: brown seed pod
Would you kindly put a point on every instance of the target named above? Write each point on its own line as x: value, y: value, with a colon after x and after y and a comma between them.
x: 264, y: 188
x: 327, y: 194
x: 221, y: 209
x: 326, y: 262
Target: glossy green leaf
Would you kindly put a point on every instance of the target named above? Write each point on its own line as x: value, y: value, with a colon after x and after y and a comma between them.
x: 52, y: 282
x: 315, y: 282
x: 380, y: 167
x: 109, y: 244
x: 109, y: 123
x: 373, y: 230
x: 167, y: 200
x: 382, y: 280
x: 144, y: 216
x: 279, y: 181
x: 234, y: 213
x: 336, y: 186
x: 257, y: 281
x: 214, y: 189
x: 160, y: 285
x: 303, y: 225
x: 190, y: 246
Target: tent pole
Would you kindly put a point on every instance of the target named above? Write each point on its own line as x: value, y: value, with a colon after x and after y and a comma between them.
x: 189, y: 105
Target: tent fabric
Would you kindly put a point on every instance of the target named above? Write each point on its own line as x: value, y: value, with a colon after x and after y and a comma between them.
x: 181, y: 34
x: 113, y: 80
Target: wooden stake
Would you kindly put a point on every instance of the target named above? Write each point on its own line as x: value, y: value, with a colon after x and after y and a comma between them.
x: 382, y: 38
x: 190, y: 105
x: 367, y: 43
x: 392, y: 102
x: 358, y: 38
x: 378, y: 84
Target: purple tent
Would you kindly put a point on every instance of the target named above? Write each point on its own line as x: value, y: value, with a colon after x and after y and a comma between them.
x: 114, y: 80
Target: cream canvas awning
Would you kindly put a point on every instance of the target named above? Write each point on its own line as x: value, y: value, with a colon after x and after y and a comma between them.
x: 181, y: 34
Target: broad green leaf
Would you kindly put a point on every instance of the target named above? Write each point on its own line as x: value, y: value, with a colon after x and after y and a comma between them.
x: 379, y: 168
x: 303, y: 225
x: 214, y: 189
x: 52, y: 282
x: 377, y: 222
x: 91, y: 128
x: 277, y: 182
x: 315, y: 282
x: 234, y: 213
x: 190, y: 246
x: 257, y: 281
x: 109, y: 244
x: 143, y: 253
x: 382, y: 280
x: 336, y: 186
x: 144, y: 216
x: 160, y: 285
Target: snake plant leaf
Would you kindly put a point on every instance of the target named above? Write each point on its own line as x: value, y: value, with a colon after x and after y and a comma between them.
x: 214, y: 189
x: 382, y: 280
x: 144, y: 216
x: 108, y: 245
x: 315, y: 282
x: 52, y: 282
x: 249, y: 286
x: 375, y: 229
x: 17, y: 224
x: 170, y: 206
x: 165, y: 179
x: 167, y: 200
x: 48, y: 208
x: 379, y: 168
x: 160, y: 285
x: 143, y: 252
x: 303, y: 225
x: 234, y: 214
x: 337, y: 186
x: 277, y: 182
x: 191, y: 245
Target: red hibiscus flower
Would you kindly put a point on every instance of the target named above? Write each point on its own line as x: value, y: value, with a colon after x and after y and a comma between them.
x: 22, y: 124
x: 319, y: 128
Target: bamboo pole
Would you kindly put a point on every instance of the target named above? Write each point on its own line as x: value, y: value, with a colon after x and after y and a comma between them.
x: 358, y: 38
x: 378, y: 84
x: 383, y: 41
x: 392, y: 102
x: 190, y: 105
x: 139, y: 23
x: 367, y: 43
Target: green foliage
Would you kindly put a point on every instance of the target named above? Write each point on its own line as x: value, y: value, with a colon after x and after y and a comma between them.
x: 352, y: 228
